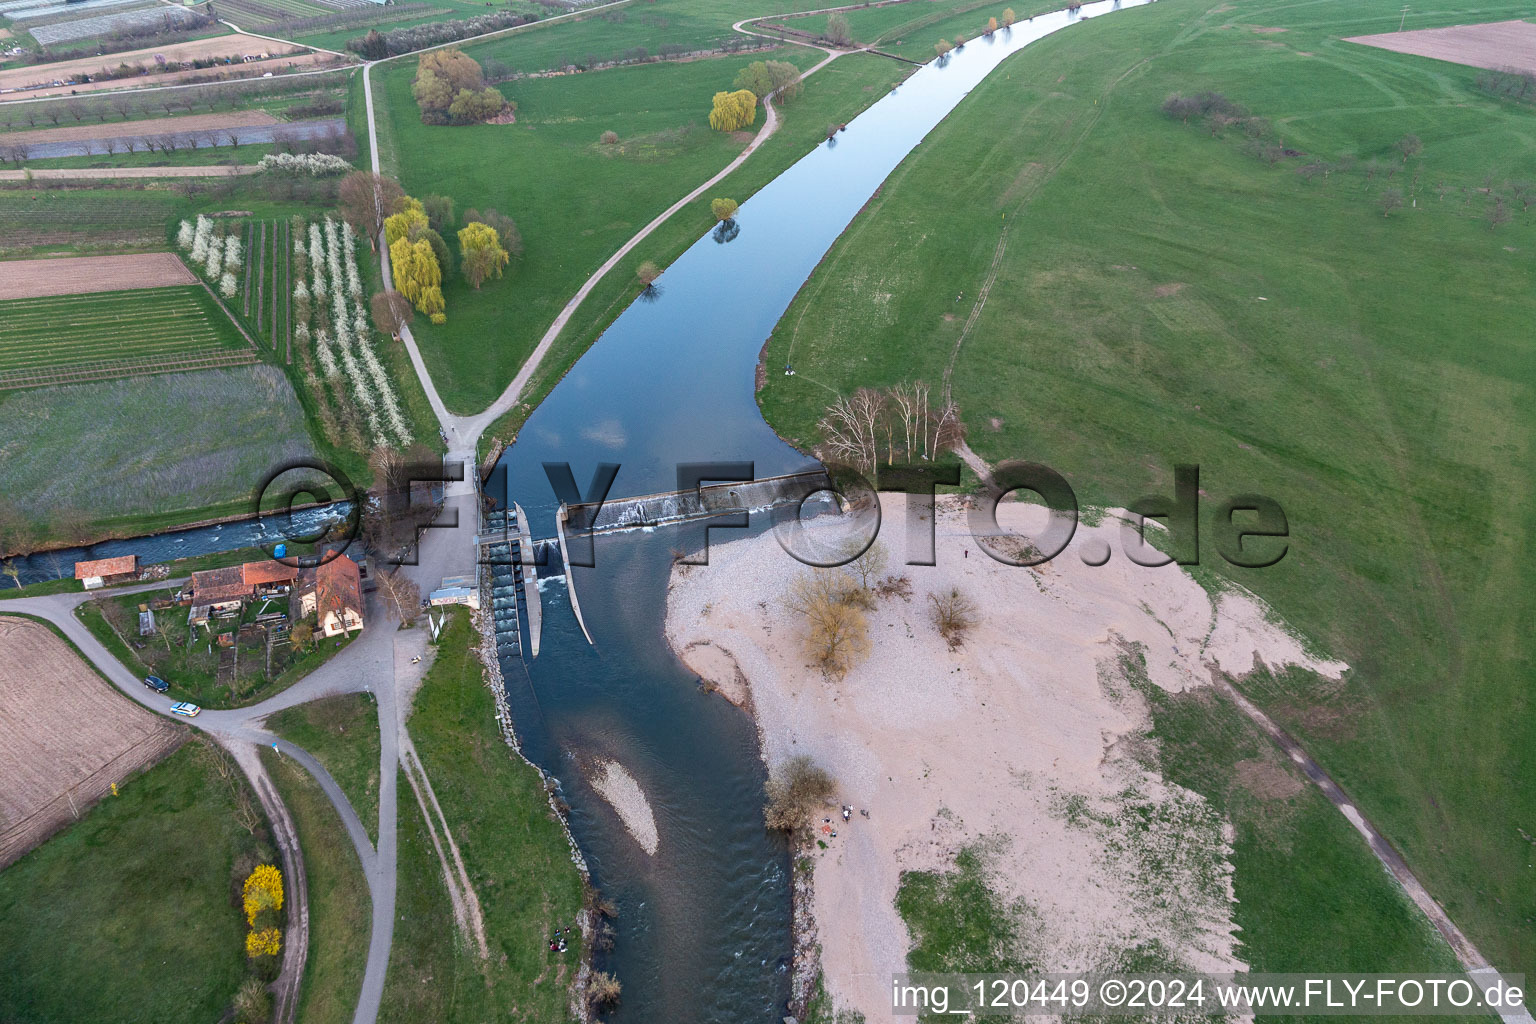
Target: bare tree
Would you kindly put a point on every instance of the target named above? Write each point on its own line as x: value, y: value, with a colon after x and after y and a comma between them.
x: 1409, y: 145
x: 71, y: 524
x: 851, y: 428
x: 15, y: 529
x: 1498, y: 214
x: 837, y: 632
x: 76, y: 109
x: 955, y: 615
x: 391, y: 311
x: 1391, y: 199
x: 603, y: 991
x: 1523, y: 192
x: 367, y: 199
x: 867, y: 566
x: 795, y: 789
x: 401, y: 595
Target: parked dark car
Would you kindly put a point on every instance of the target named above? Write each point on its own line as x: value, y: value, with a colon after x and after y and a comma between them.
x: 156, y: 683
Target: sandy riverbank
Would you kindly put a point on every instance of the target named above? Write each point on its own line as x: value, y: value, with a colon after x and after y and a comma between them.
x: 1029, y: 741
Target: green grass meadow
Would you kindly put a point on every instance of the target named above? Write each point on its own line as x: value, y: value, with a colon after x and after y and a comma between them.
x: 129, y: 914
x: 1162, y: 296
x: 340, y: 908
x: 834, y: 95
x: 342, y: 733
x: 515, y: 851
x: 575, y: 200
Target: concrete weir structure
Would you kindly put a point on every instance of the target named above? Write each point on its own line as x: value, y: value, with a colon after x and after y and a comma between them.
x: 704, y: 501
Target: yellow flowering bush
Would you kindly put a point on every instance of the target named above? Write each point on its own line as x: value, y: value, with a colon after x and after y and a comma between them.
x: 263, y: 891
x: 266, y: 942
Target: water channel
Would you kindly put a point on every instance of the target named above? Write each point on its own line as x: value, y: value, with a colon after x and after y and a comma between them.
x: 704, y: 924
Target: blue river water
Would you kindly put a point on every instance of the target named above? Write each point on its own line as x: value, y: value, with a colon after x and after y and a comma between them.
x: 704, y: 928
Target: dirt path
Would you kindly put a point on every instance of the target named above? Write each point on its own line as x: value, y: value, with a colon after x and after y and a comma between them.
x: 461, y: 892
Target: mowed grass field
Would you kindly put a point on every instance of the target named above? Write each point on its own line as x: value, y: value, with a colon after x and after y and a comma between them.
x: 575, y: 200
x: 151, y: 324
x: 128, y: 915
x: 340, y: 908
x: 1162, y: 296
x: 910, y: 29
x: 513, y: 847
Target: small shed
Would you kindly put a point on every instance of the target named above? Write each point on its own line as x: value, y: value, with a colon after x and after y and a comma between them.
x: 98, y: 573
x: 469, y: 596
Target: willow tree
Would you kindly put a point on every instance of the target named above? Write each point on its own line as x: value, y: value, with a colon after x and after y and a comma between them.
x: 408, y: 219
x: 733, y: 110
x: 418, y: 276
x: 1008, y: 17
x: 482, y: 253
x: 723, y: 209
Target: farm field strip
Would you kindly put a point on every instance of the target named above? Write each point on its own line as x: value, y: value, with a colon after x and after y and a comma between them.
x: 57, y: 277
x: 114, y: 369
x: 51, y: 333
x: 88, y: 28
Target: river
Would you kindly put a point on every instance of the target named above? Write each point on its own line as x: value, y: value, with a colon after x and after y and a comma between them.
x: 704, y: 924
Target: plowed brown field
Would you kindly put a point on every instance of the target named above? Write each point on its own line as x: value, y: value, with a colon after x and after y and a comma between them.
x: 1499, y: 45
x: 80, y: 275
x: 65, y: 736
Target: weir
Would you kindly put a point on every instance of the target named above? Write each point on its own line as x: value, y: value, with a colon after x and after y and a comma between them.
x: 702, y: 502
x: 509, y: 586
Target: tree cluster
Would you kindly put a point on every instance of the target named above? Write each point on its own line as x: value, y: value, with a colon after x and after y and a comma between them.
x: 376, y: 45
x: 766, y: 78
x: 450, y: 89
x: 1509, y: 85
x: 481, y: 253
x: 504, y: 226
x: 733, y: 111
x: 898, y: 425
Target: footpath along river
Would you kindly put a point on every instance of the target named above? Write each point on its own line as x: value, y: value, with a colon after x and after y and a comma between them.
x: 704, y: 923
